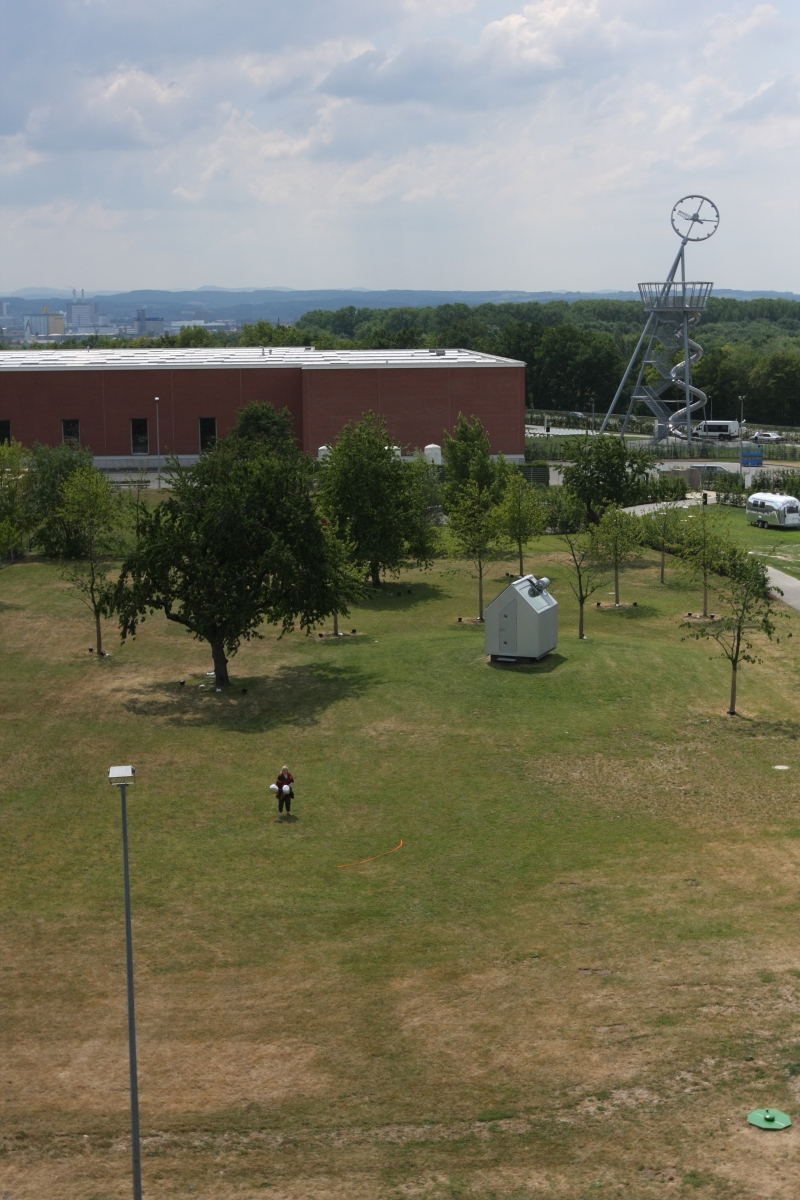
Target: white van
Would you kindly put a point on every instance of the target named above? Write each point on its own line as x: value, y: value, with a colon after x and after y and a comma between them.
x: 717, y: 431
x: 770, y: 509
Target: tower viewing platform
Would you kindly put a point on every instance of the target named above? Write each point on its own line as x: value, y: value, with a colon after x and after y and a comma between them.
x: 675, y: 296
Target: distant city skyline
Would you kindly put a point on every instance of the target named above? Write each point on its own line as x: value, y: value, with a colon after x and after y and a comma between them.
x: 396, y: 144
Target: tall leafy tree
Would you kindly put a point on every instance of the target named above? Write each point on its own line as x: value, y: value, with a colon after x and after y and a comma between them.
x: 605, y: 471
x: 425, y: 509
x: 49, y: 467
x: 238, y: 542
x: 617, y: 537
x: 374, y: 500
x: 92, y: 509
x: 773, y: 388
x: 745, y: 597
x: 260, y: 428
x: 196, y: 335
x: 14, y: 485
x: 522, y: 514
x: 573, y: 365
x: 468, y: 460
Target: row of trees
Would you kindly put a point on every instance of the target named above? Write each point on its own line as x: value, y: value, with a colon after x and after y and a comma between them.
x: 257, y: 532
x: 574, y: 352
x: 32, y: 512
x: 393, y: 513
x: 703, y: 548
x: 379, y: 514
x: 239, y: 540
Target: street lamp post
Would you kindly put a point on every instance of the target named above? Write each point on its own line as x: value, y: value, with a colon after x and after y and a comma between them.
x: 741, y: 423
x: 158, y: 445
x: 121, y: 777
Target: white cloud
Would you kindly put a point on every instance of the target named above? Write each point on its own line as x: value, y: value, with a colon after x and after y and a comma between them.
x: 16, y: 155
x: 399, y: 141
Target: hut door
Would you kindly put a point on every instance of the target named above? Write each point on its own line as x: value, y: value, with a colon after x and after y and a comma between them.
x: 508, y: 629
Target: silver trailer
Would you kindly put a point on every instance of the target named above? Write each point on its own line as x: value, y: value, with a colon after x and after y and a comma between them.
x: 771, y: 509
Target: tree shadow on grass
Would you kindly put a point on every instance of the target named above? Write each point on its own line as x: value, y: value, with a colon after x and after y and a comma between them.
x: 395, y: 595
x: 543, y: 667
x: 293, y: 695
x: 759, y: 727
x: 624, y: 612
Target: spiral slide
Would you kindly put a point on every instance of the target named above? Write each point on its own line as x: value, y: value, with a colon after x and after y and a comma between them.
x: 678, y: 375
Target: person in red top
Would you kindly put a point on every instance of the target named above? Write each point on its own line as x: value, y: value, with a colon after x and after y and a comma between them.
x: 285, y: 780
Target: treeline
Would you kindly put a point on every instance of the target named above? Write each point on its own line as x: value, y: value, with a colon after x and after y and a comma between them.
x: 257, y: 531
x: 574, y: 353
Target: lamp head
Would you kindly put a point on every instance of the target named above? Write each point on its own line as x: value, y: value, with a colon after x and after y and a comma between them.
x: 121, y: 776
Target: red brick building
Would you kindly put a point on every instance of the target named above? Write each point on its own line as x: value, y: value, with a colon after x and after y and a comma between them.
x: 106, y: 399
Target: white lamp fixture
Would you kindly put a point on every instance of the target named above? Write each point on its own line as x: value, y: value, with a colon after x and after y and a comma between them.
x: 120, y: 776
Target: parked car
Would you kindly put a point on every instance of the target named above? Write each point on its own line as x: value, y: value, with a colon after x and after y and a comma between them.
x: 766, y: 437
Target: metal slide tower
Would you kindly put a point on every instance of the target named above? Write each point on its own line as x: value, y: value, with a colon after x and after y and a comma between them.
x: 674, y: 306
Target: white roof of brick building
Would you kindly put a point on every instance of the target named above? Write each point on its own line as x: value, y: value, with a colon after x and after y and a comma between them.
x: 305, y: 357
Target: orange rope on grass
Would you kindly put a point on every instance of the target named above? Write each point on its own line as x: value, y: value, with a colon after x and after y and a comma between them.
x: 372, y: 857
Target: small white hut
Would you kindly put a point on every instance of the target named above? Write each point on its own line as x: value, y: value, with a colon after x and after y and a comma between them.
x: 521, y: 624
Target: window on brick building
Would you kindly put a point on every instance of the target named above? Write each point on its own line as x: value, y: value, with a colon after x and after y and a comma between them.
x: 71, y: 431
x: 5, y: 432
x: 140, y: 438
x: 208, y: 432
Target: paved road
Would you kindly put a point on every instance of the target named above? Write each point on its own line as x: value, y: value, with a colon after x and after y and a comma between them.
x: 691, y: 501
x: 788, y: 585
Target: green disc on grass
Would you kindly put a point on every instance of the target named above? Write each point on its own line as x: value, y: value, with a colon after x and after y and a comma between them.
x: 769, y: 1118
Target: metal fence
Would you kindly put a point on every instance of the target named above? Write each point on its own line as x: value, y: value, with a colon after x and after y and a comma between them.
x: 552, y: 449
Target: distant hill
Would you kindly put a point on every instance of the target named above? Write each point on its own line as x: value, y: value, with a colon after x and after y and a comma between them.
x: 286, y: 305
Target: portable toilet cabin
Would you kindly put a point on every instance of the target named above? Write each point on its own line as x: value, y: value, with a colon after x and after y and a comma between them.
x: 521, y: 624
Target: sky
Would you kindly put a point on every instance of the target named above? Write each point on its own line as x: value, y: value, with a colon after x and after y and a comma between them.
x: 447, y: 144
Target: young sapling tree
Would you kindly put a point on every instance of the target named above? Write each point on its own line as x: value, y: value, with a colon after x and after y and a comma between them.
x: 91, y: 511
x: 745, y: 597
x: 521, y: 515
x: 587, y: 574
x: 473, y: 525
x: 617, y: 537
x: 660, y: 529
x: 703, y: 546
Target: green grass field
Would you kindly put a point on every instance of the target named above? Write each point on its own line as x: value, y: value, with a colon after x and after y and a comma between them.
x: 778, y: 548
x: 574, y: 980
